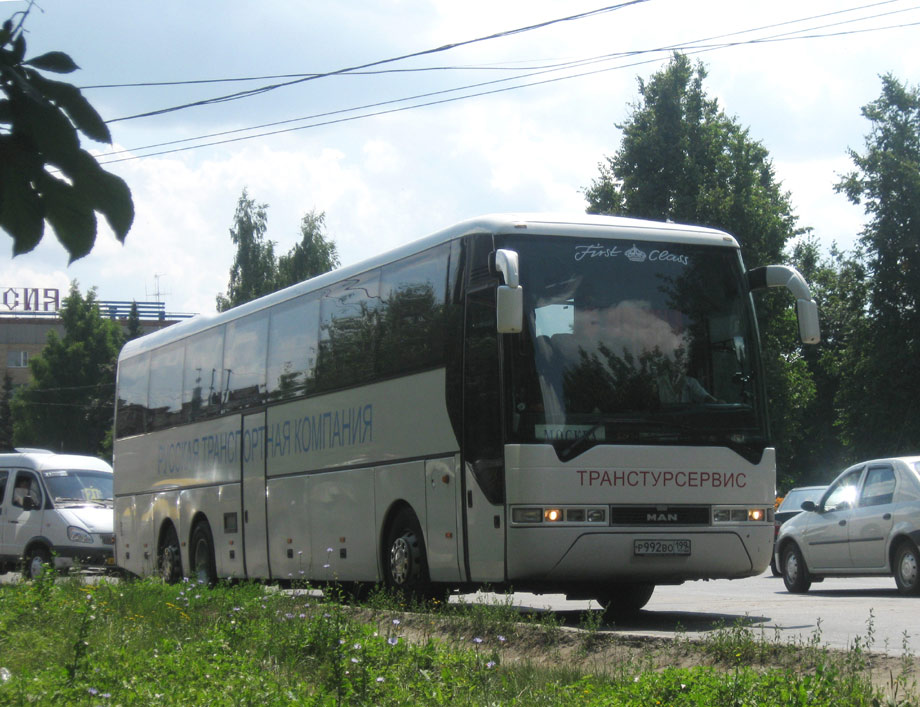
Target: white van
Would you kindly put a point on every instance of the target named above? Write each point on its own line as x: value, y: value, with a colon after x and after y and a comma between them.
x: 55, y: 506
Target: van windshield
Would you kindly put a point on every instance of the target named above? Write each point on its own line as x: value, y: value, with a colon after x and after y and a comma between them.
x: 79, y: 485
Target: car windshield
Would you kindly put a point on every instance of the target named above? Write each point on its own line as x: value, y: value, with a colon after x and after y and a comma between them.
x: 796, y: 497
x: 634, y: 343
x: 79, y: 485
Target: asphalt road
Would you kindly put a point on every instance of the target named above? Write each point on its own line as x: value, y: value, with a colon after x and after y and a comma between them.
x: 838, y: 612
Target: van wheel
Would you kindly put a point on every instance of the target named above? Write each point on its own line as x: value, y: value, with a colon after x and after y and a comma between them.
x: 35, y: 563
x: 202, y: 557
x: 906, y: 569
x: 406, y: 566
x: 796, y: 576
x: 169, y: 561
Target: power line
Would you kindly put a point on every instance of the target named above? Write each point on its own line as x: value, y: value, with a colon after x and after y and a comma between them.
x: 694, y: 47
x: 446, y: 47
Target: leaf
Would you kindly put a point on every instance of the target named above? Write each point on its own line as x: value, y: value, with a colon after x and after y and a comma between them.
x: 21, y: 211
x: 77, y: 108
x: 58, y: 62
x: 104, y: 191
x: 72, y: 219
x: 19, y: 49
x: 48, y: 128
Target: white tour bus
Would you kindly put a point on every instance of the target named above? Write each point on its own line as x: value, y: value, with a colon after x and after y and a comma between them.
x: 551, y: 404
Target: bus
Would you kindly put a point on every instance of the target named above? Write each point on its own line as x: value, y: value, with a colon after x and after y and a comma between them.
x: 553, y: 404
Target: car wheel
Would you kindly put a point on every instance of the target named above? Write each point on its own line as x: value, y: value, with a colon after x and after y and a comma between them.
x: 906, y: 568
x: 626, y: 600
x: 202, y: 557
x: 35, y: 563
x: 406, y: 565
x: 795, y: 573
x: 169, y: 561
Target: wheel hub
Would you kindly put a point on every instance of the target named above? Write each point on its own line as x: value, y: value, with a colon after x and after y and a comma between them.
x: 400, y: 555
x: 908, y: 569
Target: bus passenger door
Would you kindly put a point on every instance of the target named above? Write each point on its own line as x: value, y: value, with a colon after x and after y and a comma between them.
x: 255, y: 537
x: 483, y: 452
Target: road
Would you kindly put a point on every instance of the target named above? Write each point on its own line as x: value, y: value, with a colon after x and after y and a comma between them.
x: 837, y: 612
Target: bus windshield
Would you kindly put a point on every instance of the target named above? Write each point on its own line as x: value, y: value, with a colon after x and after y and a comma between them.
x: 634, y: 343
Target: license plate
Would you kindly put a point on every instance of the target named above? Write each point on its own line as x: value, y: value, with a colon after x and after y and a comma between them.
x: 661, y: 547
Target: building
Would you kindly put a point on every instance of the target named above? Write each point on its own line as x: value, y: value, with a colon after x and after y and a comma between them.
x: 28, y: 314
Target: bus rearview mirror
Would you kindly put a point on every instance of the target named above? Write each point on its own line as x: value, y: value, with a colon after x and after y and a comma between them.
x: 509, y: 309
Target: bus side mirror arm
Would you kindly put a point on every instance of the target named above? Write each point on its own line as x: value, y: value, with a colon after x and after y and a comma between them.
x: 509, y: 301
x: 806, y: 308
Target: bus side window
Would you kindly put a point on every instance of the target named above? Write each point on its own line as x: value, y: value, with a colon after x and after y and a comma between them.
x: 292, y: 348
x: 203, y: 375
x: 244, y: 362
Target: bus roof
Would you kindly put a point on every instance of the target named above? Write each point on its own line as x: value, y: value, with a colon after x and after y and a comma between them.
x: 563, y: 225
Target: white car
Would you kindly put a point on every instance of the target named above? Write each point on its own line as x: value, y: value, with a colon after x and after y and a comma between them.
x: 55, y: 508
x: 866, y: 523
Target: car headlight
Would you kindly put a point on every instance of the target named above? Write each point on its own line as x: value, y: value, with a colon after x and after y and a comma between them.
x: 78, y: 535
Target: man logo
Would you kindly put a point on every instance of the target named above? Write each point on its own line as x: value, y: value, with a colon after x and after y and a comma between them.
x: 661, y: 517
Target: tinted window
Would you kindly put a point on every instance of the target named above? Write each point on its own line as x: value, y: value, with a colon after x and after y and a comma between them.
x: 244, y: 361
x: 879, y: 487
x: 3, y: 477
x: 348, y: 332
x: 165, y: 396
x: 292, y: 348
x: 132, y: 396
x: 203, y: 375
x: 412, y: 312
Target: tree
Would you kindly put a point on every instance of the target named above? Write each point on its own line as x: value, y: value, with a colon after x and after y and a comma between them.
x: 6, y: 415
x: 879, y: 399
x: 133, y: 329
x: 254, y: 268
x: 69, y: 406
x: 314, y: 255
x: 44, y: 173
x: 255, y: 272
x: 682, y: 158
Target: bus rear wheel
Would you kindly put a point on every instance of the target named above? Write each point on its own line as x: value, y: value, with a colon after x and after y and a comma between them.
x: 626, y: 600
x: 405, y: 562
x: 202, y: 557
x: 169, y: 562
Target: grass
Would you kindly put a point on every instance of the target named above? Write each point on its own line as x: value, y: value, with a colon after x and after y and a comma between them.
x: 64, y: 642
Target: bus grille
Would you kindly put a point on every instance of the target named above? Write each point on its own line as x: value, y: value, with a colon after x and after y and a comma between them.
x: 659, y: 515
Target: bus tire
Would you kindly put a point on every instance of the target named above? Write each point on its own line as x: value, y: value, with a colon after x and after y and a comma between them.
x: 201, y: 558
x: 906, y: 568
x: 169, y: 561
x: 625, y: 600
x: 35, y: 562
x: 404, y: 560
x: 796, y: 576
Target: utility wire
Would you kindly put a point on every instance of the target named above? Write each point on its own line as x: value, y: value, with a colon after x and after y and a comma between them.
x: 694, y: 46
x: 446, y: 47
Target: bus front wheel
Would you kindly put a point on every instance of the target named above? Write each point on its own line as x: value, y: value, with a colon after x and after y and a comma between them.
x: 625, y: 600
x: 168, y: 559
x: 406, y: 565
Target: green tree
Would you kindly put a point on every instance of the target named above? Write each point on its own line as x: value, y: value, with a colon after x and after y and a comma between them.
x: 254, y: 268
x: 44, y: 173
x: 879, y: 402
x: 133, y: 330
x: 6, y: 414
x: 314, y: 255
x: 69, y: 406
x: 683, y: 159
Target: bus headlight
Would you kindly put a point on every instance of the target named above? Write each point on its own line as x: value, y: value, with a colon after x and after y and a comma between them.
x: 742, y: 515
x: 552, y: 514
x: 78, y: 535
x: 559, y: 515
x: 527, y: 515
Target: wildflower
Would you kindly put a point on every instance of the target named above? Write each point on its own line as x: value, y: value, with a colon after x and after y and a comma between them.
x: 329, y: 549
x: 477, y: 640
x: 354, y: 660
x: 5, y: 674
x: 326, y: 566
x: 501, y: 639
x: 490, y: 664
x: 357, y: 646
x: 393, y: 640
x: 92, y: 691
x: 300, y: 552
x: 303, y: 616
x: 379, y: 679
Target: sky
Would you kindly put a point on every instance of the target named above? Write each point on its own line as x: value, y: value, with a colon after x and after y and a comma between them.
x: 795, y: 74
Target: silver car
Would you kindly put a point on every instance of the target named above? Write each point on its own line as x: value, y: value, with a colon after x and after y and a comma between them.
x: 866, y: 523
